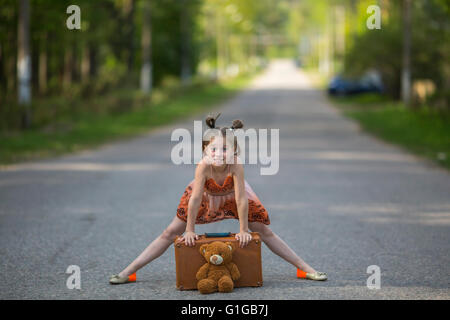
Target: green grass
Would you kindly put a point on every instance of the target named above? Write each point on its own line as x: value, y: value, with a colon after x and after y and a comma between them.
x: 423, y: 131
x: 89, y: 129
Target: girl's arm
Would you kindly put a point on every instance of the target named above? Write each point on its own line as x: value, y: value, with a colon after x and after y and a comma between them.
x: 194, y: 205
x: 242, y: 205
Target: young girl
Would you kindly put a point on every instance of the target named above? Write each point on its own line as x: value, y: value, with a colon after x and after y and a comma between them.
x: 207, y: 200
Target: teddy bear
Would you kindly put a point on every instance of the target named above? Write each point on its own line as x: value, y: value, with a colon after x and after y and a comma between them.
x: 219, y: 272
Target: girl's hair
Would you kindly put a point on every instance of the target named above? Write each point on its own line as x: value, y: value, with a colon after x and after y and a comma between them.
x: 226, y: 132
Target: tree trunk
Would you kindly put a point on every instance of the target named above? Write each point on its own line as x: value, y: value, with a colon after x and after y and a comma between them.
x: 146, y: 43
x: 128, y: 11
x: 68, y: 61
x: 406, y: 58
x: 10, y: 72
x: 185, y: 43
x: 24, y: 61
x: 93, y: 60
x: 43, y: 65
x: 220, y: 46
x: 85, y: 64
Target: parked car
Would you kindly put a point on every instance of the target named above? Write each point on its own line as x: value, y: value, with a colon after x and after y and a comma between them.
x: 369, y: 82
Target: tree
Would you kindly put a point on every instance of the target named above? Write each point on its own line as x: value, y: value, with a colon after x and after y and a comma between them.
x: 406, y: 56
x: 24, y: 61
x: 185, y: 42
x: 128, y: 12
x: 146, y: 43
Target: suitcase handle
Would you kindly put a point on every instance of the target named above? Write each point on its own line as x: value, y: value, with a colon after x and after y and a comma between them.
x: 217, y: 235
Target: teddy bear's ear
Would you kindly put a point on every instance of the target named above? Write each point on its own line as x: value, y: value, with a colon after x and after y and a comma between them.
x: 203, y: 249
x: 230, y: 245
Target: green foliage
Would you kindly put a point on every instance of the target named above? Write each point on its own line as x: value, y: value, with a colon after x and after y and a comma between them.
x: 125, y: 113
x: 105, y: 56
x: 382, y: 49
x: 320, y: 30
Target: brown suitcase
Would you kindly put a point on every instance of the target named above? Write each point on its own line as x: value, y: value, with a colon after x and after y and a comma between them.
x: 248, y: 260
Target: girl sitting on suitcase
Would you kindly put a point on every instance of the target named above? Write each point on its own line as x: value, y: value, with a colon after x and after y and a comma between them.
x: 213, y: 201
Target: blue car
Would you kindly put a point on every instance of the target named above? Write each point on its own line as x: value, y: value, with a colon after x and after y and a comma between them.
x: 370, y: 82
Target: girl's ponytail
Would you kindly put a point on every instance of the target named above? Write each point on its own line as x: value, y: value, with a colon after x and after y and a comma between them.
x: 211, y: 121
x: 237, y: 124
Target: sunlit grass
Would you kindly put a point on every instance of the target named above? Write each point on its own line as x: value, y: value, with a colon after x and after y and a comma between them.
x: 423, y: 131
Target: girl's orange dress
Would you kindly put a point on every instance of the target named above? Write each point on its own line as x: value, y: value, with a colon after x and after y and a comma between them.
x: 219, y: 202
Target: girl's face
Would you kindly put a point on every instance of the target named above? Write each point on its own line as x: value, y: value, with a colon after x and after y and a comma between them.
x: 219, y: 151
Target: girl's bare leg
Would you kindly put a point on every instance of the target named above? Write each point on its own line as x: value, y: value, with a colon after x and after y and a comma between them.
x: 157, y: 247
x: 278, y: 246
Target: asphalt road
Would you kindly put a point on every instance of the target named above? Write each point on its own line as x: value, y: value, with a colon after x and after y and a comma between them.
x: 343, y: 200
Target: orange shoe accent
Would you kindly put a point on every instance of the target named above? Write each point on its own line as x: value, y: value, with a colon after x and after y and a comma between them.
x: 301, y: 274
x: 132, y: 277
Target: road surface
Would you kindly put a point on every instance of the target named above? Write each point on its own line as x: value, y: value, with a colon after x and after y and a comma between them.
x: 343, y: 200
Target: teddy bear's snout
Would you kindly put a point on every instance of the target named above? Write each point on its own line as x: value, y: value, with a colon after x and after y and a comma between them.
x: 216, y: 259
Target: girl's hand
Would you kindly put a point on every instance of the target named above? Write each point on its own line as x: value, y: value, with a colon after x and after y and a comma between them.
x: 189, y: 238
x: 244, y: 238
